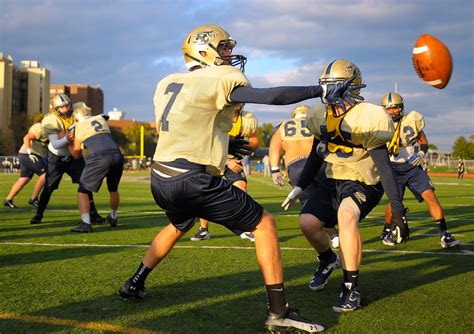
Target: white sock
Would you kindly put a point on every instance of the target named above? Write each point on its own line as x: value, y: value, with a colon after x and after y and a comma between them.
x: 86, y: 218
x: 113, y: 214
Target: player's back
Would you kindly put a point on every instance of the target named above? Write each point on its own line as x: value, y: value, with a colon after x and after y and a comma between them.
x: 94, y: 133
x: 191, y: 115
x: 296, y: 139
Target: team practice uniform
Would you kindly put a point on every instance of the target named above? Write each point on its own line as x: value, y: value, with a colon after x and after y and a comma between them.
x: 104, y: 159
x: 39, y: 149
x: 199, y: 191
x: 350, y: 171
x: 402, y: 148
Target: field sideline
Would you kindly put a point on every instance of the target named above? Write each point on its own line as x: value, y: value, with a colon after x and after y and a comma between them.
x: 56, y: 281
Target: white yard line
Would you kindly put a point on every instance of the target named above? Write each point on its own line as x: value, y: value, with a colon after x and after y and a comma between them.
x: 40, y: 244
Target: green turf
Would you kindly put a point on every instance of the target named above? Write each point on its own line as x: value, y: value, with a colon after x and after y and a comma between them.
x: 416, y: 287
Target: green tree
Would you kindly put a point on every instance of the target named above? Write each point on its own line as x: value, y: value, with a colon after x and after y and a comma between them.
x: 265, y: 132
x: 132, y: 134
x: 463, y: 149
x: 432, y: 147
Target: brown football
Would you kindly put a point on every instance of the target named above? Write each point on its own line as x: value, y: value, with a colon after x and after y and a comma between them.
x: 432, y: 61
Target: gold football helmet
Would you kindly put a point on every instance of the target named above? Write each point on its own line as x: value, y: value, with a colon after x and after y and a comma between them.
x: 201, y: 48
x: 300, y: 111
x: 340, y: 70
x: 61, y: 100
x: 393, y: 103
x: 81, y: 111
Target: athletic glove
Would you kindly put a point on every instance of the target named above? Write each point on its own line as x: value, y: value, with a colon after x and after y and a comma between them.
x: 340, y: 92
x: 277, y: 177
x: 291, y: 198
x: 239, y: 148
x: 417, y: 159
x: 33, y: 158
x: 399, y: 225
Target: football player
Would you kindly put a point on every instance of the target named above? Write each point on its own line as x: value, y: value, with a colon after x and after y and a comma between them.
x: 407, y: 165
x: 244, y: 126
x: 104, y: 160
x: 194, y: 119
x: 293, y: 137
x: 353, y: 142
x: 58, y: 126
x: 32, y: 156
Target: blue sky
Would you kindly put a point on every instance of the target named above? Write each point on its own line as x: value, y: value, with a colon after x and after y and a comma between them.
x: 127, y: 46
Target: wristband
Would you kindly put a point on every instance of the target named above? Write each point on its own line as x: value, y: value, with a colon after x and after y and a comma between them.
x: 275, y: 170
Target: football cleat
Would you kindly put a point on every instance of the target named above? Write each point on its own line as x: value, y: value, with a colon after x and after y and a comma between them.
x: 387, y: 238
x: 290, y: 322
x: 321, y: 276
x: 248, y: 235
x: 202, y: 234
x: 349, y: 300
x: 96, y: 218
x: 9, y: 204
x: 82, y: 228
x: 34, y: 202
x: 128, y: 291
x: 36, y: 219
x: 112, y: 221
x: 448, y: 241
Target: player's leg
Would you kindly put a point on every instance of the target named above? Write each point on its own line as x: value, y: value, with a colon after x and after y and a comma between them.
x: 15, y: 189
x: 436, y: 211
x: 114, y: 175
x: 37, y: 190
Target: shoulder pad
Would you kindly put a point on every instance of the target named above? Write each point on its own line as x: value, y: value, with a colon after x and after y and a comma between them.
x: 51, y: 124
x: 249, y: 124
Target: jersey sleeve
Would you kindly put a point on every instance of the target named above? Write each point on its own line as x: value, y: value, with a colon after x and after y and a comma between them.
x: 36, y: 130
x: 51, y: 125
x: 228, y: 81
x: 416, y: 120
x: 249, y: 124
x: 378, y: 130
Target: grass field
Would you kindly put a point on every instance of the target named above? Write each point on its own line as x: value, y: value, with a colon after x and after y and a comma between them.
x: 55, y: 281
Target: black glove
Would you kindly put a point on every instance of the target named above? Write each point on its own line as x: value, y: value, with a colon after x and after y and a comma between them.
x: 239, y: 147
x: 342, y: 91
x: 399, y: 226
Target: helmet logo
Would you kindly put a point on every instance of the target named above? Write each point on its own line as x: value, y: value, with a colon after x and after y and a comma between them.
x: 203, y: 37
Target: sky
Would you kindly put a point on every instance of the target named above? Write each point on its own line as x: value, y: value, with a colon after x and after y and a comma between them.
x: 127, y: 46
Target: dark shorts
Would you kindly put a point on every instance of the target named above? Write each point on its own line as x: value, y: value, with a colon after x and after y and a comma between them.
x: 294, y: 172
x: 196, y: 194
x: 415, y: 178
x: 58, y: 165
x: 324, y: 201
x: 102, y: 166
x: 233, y: 177
x: 28, y: 168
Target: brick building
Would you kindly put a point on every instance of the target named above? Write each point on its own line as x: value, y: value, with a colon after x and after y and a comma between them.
x: 93, y: 96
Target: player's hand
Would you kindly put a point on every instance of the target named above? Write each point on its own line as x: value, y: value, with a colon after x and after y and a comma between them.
x: 417, y: 159
x: 291, y: 198
x: 342, y: 91
x: 277, y: 177
x: 33, y: 158
x: 234, y: 165
x: 399, y: 225
x: 239, y: 148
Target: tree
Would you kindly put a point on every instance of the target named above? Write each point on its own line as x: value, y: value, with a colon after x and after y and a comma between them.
x: 265, y: 132
x: 463, y: 149
x: 432, y: 147
x: 133, y: 139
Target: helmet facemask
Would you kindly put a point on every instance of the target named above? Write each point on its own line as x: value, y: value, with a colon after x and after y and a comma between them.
x: 393, y: 101
x: 60, y: 101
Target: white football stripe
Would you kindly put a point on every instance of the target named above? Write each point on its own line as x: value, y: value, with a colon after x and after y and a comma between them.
x: 434, y: 82
x: 420, y: 49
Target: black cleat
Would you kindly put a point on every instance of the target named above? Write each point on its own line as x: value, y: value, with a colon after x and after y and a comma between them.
x: 128, y: 291
x: 36, y: 219
x: 96, y: 218
x: 9, y: 204
x: 34, y: 202
x: 290, y: 322
x: 448, y: 241
x: 112, y: 222
x: 349, y: 300
x: 321, y: 275
x: 82, y: 228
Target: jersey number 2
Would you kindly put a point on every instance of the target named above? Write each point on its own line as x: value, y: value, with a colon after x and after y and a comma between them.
x: 175, y: 89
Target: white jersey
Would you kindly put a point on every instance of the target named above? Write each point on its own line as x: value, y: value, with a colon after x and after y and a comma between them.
x: 411, y: 125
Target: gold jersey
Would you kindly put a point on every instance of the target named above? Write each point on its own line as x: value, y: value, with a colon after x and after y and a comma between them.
x: 410, y: 126
x: 194, y: 115
x: 346, y: 140
x: 90, y: 127
x: 38, y: 145
x: 245, y: 125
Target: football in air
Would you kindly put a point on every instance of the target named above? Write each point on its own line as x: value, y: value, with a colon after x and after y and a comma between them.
x: 432, y: 61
